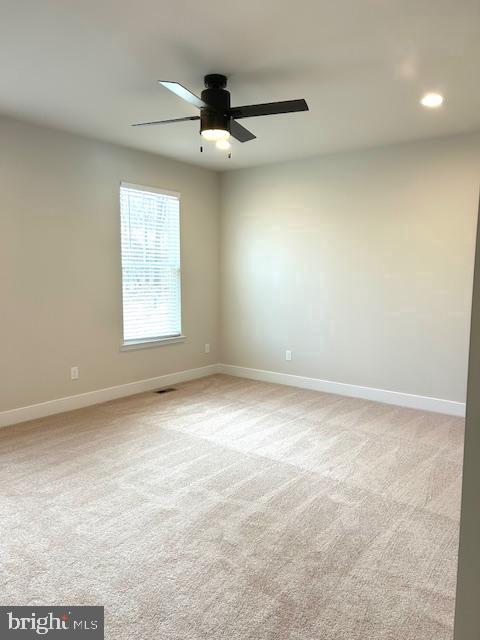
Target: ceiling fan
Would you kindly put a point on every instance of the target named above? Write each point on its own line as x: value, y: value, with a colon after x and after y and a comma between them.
x: 218, y: 120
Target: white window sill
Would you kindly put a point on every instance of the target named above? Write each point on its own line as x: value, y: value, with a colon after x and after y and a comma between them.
x: 132, y: 345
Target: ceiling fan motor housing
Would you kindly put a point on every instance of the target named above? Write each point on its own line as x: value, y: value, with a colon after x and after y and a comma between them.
x: 218, y: 97
x: 217, y: 118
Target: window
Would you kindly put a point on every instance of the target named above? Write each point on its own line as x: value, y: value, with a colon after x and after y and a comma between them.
x: 150, y: 228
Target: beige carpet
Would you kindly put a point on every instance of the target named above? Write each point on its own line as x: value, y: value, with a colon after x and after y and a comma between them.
x: 237, y: 510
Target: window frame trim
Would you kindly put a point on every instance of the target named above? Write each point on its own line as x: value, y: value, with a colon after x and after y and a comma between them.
x: 147, y: 343
x: 152, y: 341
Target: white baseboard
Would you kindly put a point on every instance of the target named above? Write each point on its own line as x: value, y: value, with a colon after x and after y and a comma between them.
x: 69, y: 403
x: 424, y: 403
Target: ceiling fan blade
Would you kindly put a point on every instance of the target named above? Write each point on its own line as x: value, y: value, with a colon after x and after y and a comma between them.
x: 149, y: 124
x: 240, y: 133
x: 183, y: 92
x: 268, y: 108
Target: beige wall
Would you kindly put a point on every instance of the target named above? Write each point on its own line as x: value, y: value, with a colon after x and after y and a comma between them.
x: 60, y: 286
x: 467, y: 617
x: 360, y: 263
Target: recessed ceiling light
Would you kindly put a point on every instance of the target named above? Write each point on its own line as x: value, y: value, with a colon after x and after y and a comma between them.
x: 432, y: 100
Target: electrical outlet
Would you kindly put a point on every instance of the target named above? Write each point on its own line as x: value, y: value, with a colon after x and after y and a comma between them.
x: 288, y: 355
x: 74, y: 373
x: 207, y: 348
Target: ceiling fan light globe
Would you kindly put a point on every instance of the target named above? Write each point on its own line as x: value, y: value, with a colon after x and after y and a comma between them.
x: 214, y: 135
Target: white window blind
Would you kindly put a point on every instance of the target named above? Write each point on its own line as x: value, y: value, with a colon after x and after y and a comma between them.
x: 150, y: 227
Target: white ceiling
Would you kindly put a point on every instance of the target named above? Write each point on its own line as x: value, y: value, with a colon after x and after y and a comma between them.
x: 91, y: 66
